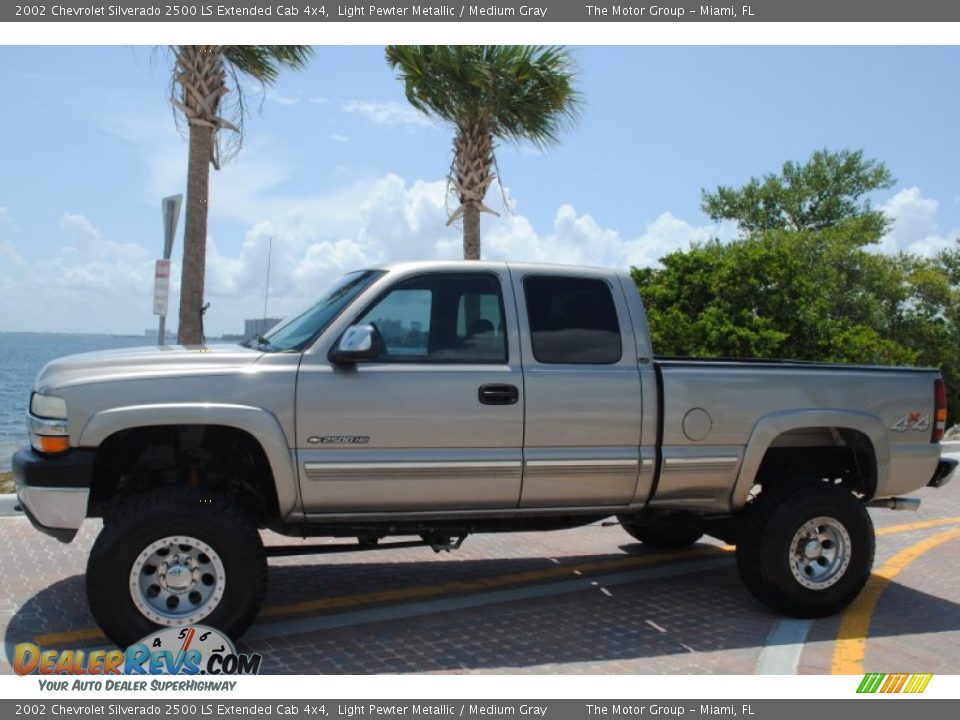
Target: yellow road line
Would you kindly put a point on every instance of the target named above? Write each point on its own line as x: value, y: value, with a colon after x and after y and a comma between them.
x: 851, y: 645
x: 70, y: 636
x: 418, y: 592
x: 921, y: 525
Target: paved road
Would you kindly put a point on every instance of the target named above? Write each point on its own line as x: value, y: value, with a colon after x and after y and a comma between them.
x: 589, y: 600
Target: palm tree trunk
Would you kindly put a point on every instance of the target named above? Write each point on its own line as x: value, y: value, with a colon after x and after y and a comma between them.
x: 472, y: 175
x: 471, y: 231
x: 195, y: 235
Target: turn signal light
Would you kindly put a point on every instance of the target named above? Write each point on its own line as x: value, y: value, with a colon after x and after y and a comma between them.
x: 53, y: 443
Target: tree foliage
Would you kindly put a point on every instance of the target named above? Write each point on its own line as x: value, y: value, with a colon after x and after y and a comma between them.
x: 522, y: 93
x: 806, y: 281
x: 829, y: 189
x: 519, y: 93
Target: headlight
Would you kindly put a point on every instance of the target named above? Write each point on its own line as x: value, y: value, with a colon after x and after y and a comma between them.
x: 48, y: 406
x: 48, y: 424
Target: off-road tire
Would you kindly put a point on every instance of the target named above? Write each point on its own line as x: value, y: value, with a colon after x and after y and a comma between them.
x: 674, y: 531
x: 209, y: 517
x: 766, y: 530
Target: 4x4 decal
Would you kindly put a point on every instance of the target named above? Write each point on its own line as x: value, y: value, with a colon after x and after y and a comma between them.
x: 912, y: 421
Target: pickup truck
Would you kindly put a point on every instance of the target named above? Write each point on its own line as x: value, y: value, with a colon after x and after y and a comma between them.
x: 436, y: 400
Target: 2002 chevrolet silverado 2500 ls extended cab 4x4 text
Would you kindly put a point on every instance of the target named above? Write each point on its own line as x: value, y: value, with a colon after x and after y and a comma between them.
x: 443, y: 399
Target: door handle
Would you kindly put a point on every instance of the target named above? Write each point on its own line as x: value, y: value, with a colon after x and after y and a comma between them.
x: 499, y: 394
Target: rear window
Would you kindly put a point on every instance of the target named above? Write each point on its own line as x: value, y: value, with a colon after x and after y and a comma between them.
x: 572, y: 320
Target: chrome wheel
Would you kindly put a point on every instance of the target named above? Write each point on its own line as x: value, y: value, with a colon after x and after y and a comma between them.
x: 820, y: 553
x: 177, y: 580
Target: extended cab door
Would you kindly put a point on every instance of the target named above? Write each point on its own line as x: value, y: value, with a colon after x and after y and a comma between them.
x: 582, y: 388
x: 435, y: 422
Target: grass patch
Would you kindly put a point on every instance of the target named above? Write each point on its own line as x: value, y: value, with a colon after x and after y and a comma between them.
x: 6, y: 482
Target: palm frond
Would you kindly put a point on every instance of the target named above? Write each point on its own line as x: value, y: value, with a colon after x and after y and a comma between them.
x: 263, y: 62
x: 521, y: 92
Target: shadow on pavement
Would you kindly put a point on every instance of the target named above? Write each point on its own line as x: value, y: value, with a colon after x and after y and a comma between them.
x: 683, y: 622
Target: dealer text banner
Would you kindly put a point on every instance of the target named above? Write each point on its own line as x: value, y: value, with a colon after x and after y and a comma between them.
x: 320, y: 11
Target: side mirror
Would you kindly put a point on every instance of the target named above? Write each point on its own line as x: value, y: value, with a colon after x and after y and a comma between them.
x: 358, y: 343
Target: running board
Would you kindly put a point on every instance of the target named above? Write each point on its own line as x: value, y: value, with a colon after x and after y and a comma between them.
x: 331, y: 548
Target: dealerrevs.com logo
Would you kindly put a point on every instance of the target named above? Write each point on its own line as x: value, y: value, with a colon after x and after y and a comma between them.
x: 193, y: 650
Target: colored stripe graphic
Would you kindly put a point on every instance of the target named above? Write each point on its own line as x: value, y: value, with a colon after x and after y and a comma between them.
x: 894, y: 683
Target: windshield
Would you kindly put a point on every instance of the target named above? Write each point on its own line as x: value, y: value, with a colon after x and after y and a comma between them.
x: 301, y: 327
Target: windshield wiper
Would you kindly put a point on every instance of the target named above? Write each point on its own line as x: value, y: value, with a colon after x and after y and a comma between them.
x: 263, y: 343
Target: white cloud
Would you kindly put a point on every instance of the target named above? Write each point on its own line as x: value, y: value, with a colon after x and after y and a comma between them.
x: 155, y: 137
x: 255, y: 92
x: 12, y: 264
x: 280, y: 98
x: 257, y: 169
x: 108, y: 269
x: 80, y: 225
x: 337, y: 137
x: 388, y: 113
x: 12, y: 267
x: 315, y: 239
x: 388, y: 219
x: 92, y: 284
x: 578, y: 239
x: 914, y: 226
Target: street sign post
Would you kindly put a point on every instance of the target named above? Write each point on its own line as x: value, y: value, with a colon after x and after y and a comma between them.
x: 170, y: 208
x: 161, y: 292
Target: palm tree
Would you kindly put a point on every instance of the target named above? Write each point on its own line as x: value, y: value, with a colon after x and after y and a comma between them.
x: 205, y: 77
x: 487, y: 92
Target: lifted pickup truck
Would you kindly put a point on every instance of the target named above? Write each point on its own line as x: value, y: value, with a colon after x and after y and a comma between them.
x: 436, y: 400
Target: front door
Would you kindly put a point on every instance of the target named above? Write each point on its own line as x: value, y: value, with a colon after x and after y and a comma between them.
x: 435, y: 422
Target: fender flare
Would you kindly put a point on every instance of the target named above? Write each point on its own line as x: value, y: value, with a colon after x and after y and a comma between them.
x: 261, y: 424
x: 769, y: 427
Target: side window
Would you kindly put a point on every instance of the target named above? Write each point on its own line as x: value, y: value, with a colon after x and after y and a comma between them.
x: 448, y: 317
x: 403, y: 319
x: 572, y: 320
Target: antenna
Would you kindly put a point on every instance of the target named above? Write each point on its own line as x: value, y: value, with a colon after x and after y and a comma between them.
x: 266, y: 289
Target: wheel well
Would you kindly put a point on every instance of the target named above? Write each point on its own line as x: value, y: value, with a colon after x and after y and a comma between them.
x: 219, y: 457
x: 837, y: 454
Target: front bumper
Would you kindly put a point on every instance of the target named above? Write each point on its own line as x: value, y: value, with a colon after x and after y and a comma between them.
x: 54, y: 491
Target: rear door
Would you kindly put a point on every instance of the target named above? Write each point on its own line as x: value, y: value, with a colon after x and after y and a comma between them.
x: 582, y: 390
x: 436, y: 422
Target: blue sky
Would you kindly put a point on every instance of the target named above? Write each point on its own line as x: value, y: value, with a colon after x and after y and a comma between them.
x: 340, y: 172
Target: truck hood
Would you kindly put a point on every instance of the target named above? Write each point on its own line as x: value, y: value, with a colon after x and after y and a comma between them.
x: 143, y: 362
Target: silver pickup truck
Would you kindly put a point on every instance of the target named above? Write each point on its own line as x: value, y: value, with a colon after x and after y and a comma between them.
x: 436, y: 400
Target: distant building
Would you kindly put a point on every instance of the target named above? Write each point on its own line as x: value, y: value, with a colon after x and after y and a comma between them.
x: 259, y: 326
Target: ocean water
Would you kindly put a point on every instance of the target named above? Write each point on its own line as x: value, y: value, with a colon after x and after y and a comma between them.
x: 22, y: 356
